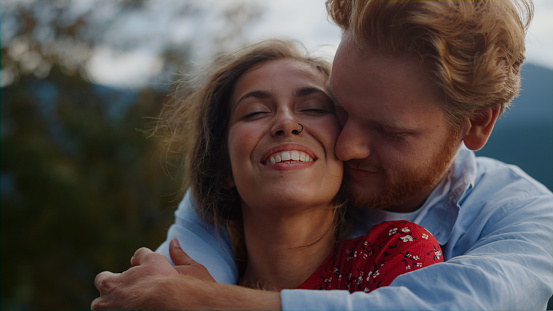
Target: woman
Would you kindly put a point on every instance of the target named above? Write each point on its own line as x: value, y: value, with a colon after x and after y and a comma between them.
x: 259, y: 135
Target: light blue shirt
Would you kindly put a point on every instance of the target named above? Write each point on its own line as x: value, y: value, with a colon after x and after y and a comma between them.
x: 495, y: 225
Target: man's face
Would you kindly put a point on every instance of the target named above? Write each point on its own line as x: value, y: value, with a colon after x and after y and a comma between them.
x: 395, y: 137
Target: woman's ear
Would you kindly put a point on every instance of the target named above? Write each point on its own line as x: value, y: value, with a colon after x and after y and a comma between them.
x: 480, y: 127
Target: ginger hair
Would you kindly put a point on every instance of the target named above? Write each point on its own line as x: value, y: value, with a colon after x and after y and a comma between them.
x: 473, y: 49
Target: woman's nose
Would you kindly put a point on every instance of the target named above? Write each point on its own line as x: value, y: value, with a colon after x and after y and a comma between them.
x: 286, y: 124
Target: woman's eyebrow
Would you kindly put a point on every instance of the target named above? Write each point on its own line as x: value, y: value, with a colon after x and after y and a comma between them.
x: 253, y: 94
x: 305, y: 91
x: 308, y: 91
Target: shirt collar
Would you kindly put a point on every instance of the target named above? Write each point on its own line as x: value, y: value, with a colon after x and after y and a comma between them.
x: 441, y: 208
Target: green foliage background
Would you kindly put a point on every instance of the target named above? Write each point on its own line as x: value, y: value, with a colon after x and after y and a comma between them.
x: 80, y: 199
x: 82, y: 186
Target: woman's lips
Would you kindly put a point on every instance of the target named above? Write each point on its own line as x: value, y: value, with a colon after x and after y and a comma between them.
x: 292, y: 156
x: 288, y: 153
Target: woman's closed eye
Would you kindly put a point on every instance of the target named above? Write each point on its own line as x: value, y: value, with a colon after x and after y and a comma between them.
x: 316, y: 111
x: 316, y: 107
x: 254, y: 114
x: 250, y: 110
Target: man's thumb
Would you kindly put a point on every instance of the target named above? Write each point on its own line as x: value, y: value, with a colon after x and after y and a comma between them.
x: 178, y: 256
x: 186, y: 265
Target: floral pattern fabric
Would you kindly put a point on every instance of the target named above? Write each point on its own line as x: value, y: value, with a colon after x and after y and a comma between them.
x: 374, y: 260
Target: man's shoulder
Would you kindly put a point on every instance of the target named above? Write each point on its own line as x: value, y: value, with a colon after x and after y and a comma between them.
x: 482, y: 175
x: 499, y: 189
x: 493, y: 176
x: 499, y: 198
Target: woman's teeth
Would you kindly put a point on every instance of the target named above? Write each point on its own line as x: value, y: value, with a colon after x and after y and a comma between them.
x: 293, y: 156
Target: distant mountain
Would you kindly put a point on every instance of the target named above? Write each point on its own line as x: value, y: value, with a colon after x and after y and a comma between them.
x: 523, y: 135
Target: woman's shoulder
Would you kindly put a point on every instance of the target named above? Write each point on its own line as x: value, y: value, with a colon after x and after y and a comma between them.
x: 391, y: 230
x: 389, y: 249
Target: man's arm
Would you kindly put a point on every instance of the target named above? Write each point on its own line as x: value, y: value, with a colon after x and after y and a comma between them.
x: 483, y: 278
x: 182, y: 292
x: 509, y: 267
x: 202, y: 242
x: 188, y: 293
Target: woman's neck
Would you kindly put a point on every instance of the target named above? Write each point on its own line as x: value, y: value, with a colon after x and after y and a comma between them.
x: 284, y: 250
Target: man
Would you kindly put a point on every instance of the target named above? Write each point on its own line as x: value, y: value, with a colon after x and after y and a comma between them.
x: 417, y: 84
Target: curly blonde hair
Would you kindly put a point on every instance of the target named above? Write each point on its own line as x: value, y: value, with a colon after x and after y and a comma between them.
x: 473, y: 49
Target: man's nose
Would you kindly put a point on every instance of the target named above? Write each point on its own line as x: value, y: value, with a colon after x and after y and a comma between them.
x: 353, y: 143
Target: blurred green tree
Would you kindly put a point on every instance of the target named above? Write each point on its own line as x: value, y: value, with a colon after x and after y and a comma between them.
x: 81, y: 186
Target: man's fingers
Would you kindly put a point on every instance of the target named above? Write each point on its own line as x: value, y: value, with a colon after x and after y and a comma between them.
x: 95, y: 305
x: 178, y: 256
x: 98, y: 304
x: 102, y: 280
x: 140, y: 256
x: 107, y: 283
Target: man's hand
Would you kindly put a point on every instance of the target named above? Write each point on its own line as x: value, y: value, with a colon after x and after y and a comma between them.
x: 186, y: 265
x: 132, y: 288
x: 154, y: 284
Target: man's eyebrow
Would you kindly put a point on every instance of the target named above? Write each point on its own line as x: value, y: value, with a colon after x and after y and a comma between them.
x: 394, y: 125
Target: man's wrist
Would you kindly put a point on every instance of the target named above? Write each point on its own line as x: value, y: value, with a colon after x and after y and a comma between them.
x: 181, y: 292
x: 224, y: 296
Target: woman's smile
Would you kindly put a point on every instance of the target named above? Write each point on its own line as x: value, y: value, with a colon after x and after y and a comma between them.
x: 288, y: 154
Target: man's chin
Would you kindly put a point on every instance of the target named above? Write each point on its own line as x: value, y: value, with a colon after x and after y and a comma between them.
x: 362, y: 198
x: 393, y: 197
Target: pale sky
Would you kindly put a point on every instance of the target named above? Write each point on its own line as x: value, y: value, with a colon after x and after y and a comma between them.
x: 303, y: 20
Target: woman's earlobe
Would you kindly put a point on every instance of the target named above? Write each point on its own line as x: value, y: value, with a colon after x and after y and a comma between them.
x: 480, y: 127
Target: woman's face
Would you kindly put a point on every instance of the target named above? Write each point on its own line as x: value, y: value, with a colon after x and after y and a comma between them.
x: 274, y: 163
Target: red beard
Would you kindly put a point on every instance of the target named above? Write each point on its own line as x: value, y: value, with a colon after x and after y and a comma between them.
x: 405, y: 183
